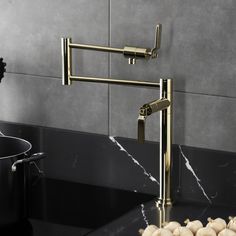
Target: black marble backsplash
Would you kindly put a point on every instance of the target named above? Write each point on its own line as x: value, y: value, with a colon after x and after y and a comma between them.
x: 199, y: 175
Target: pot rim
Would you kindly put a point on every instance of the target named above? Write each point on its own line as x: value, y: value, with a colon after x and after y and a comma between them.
x: 12, y: 137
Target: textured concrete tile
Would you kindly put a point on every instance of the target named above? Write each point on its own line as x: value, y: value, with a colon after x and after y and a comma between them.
x: 205, y: 121
x: 31, y: 32
x: 124, y: 109
x: 198, y: 42
x: 45, y: 102
x: 199, y: 120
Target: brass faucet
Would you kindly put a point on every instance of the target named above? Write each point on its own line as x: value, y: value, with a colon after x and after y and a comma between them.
x: 164, y: 105
x: 132, y: 53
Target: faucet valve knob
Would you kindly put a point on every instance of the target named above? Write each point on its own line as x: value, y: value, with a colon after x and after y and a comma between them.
x: 145, y: 110
x: 141, y: 128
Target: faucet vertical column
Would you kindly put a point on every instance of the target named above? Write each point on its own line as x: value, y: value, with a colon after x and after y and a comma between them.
x: 165, y: 144
x: 66, y: 61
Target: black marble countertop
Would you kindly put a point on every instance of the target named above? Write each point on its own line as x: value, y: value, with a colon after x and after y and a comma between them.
x: 60, y: 208
x: 66, y: 208
x: 149, y: 213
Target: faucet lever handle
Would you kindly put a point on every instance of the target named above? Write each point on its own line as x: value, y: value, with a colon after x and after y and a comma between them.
x: 141, y: 128
x: 157, y: 42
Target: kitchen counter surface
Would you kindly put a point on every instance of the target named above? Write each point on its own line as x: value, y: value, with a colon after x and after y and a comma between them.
x: 148, y: 213
x: 66, y: 208
x: 63, y: 208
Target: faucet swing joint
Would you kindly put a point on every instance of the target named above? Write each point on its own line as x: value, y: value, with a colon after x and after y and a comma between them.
x: 162, y: 105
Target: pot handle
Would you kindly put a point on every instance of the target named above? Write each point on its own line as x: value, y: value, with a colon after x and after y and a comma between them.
x: 34, y: 157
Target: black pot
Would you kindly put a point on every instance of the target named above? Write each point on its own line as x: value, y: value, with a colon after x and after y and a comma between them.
x: 14, y: 178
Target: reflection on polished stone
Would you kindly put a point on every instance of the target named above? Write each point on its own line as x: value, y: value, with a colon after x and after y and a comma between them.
x: 24, y: 228
x: 73, y: 208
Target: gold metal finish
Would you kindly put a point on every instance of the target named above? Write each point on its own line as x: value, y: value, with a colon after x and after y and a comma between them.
x: 132, y: 61
x: 163, y: 215
x: 166, y: 92
x: 164, y: 104
x: 66, y: 61
x: 141, y: 128
x: 157, y: 43
x: 145, y: 111
x: 154, y: 106
x: 96, y: 48
x: 132, y: 53
x: 115, y: 81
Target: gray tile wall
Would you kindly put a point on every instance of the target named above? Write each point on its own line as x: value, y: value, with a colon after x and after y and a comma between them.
x: 30, y: 44
x: 198, y: 51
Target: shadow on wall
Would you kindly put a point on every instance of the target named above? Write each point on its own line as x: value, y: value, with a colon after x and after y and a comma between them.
x: 179, y: 118
x: 18, y: 104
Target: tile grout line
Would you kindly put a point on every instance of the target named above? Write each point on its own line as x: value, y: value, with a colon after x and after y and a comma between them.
x: 204, y: 94
x: 34, y: 75
x: 109, y: 67
x: 109, y: 72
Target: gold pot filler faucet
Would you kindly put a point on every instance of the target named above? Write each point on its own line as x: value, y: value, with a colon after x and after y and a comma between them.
x: 164, y: 104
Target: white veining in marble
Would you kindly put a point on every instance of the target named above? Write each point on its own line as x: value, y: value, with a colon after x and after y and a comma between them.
x: 189, y: 167
x: 214, y: 196
x: 144, y: 215
x: 203, y: 212
x: 223, y: 165
x: 118, y: 230
x: 133, y: 159
x: 41, y: 172
x: 75, y: 161
x: 114, y: 232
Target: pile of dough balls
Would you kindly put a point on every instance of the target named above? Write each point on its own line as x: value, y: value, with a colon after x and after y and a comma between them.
x: 215, y: 227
